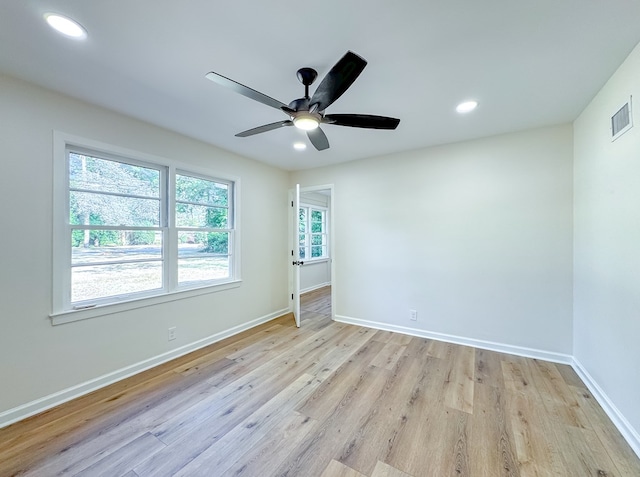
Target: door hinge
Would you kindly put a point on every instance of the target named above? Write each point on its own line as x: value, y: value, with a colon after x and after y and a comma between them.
x: 292, y: 296
x: 291, y: 203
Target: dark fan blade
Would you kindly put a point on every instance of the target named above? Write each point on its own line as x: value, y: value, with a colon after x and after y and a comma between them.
x: 265, y: 128
x: 318, y: 139
x: 288, y: 110
x: 244, y: 90
x: 338, y: 80
x: 362, y: 121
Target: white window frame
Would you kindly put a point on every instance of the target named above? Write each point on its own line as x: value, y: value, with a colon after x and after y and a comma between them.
x: 176, y: 229
x: 308, y: 245
x: 62, y: 309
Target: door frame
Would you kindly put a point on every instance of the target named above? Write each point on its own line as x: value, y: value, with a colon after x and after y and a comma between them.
x: 293, y: 233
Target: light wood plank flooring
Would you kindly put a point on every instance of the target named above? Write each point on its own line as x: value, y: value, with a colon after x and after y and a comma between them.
x: 328, y: 400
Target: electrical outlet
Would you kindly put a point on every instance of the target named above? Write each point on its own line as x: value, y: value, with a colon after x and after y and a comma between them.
x: 171, y: 333
x: 413, y: 315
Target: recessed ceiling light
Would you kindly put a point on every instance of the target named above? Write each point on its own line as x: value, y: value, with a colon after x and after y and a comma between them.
x: 467, y: 106
x: 300, y: 146
x: 66, y: 26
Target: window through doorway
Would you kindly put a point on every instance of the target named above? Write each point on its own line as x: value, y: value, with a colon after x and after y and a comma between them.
x: 314, y: 242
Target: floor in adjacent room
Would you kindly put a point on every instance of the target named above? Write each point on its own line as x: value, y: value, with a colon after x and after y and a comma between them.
x: 328, y: 399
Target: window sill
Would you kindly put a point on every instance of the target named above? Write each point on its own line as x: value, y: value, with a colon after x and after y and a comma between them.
x: 315, y: 260
x: 64, y: 317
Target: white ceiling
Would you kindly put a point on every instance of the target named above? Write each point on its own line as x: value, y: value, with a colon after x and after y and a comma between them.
x: 528, y: 63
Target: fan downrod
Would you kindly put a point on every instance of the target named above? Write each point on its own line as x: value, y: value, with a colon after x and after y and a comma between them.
x: 307, y: 76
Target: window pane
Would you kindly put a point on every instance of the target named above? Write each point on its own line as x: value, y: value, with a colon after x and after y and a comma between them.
x: 95, y: 246
x: 103, y: 175
x: 201, y: 191
x: 317, y: 239
x: 99, y: 281
x: 88, y: 208
x: 318, y: 251
x: 317, y: 216
x: 302, y: 244
x: 197, y: 244
x: 302, y: 222
x: 203, y: 268
x: 189, y: 215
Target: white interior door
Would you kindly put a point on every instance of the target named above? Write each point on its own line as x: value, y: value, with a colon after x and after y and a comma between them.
x: 295, y: 254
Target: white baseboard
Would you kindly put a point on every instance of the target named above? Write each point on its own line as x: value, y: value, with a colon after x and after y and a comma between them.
x: 39, y: 405
x: 630, y: 434
x: 47, y: 402
x: 315, y: 287
x: 488, y: 345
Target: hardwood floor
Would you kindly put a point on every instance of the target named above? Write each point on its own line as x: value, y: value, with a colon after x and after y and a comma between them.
x: 328, y: 400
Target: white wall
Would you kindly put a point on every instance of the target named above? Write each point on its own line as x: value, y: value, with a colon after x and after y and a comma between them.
x: 475, y: 236
x: 607, y: 245
x: 314, y: 275
x: 314, y: 198
x: 36, y: 358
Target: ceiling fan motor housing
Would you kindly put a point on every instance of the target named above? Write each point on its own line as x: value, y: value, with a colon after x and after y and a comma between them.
x: 301, y: 104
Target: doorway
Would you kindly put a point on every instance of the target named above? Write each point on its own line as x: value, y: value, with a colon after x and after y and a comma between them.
x: 313, y: 237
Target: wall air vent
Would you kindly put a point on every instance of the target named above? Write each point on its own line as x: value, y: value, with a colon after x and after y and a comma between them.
x: 622, y: 121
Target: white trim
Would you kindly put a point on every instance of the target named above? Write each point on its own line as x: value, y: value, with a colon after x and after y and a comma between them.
x: 47, y: 402
x: 315, y: 287
x: 311, y: 261
x: 62, y: 139
x: 488, y: 345
x: 626, y: 429
x: 630, y: 434
x: 111, y: 308
x: 39, y: 405
x: 171, y: 290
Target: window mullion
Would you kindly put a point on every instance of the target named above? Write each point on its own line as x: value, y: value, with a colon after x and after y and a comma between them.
x: 113, y: 194
x: 307, y: 236
x: 111, y: 227
x: 97, y: 264
x: 203, y: 204
x: 171, y: 234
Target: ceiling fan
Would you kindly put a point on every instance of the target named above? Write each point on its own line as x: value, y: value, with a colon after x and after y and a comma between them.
x: 308, y: 113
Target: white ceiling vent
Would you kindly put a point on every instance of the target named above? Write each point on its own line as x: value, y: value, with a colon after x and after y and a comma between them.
x: 622, y: 121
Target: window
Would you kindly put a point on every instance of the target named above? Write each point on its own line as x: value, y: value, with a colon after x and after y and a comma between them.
x: 116, y: 224
x: 129, y: 228
x: 203, y: 225
x: 313, y: 233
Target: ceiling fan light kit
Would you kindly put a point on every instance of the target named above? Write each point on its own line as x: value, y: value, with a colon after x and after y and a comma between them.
x: 306, y: 122
x: 308, y: 112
